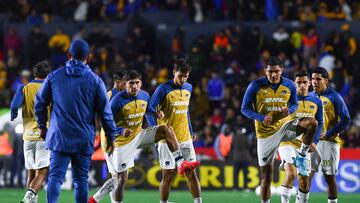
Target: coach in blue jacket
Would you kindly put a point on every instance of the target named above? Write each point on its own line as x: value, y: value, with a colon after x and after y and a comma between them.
x: 75, y: 94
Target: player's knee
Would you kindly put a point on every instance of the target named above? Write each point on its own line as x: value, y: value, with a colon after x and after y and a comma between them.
x: 169, y: 176
x: 291, y: 176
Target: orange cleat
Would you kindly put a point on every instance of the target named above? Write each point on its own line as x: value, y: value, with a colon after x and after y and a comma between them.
x: 187, y: 166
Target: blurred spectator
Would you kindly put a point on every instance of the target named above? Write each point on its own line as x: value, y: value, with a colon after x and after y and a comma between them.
x: 327, y: 59
x: 34, y: 18
x: 241, y: 157
x: 36, y: 40
x: 59, y: 43
x: 81, y: 34
x: 13, y: 41
x: 281, y: 41
x: 223, y: 143
x: 346, y: 9
x: 310, y: 43
x: 215, y: 90
x: 81, y: 10
x: 308, y: 15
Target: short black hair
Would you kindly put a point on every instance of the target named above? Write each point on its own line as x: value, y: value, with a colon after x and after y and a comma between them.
x: 302, y: 73
x: 182, y: 66
x: 274, y: 61
x: 41, y: 69
x: 320, y: 70
x: 132, y: 75
x: 119, y: 75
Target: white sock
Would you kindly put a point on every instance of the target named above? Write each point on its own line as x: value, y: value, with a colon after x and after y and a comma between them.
x: 198, y: 200
x: 304, y: 149
x: 265, y: 201
x: 332, y: 200
x: 118, y: 202
x: 30, y: 194
x: 35, y: 199
x: 164, y: 201
x: 108, y: 186
x: 302, y: 197
x: 285, y: 194
x: 179, y: 158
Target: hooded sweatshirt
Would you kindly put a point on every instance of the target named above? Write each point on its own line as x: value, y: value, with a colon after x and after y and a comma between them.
x: 76, y: 94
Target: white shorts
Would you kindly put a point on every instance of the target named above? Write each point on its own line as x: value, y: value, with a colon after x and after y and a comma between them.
x: 110, y: 163
x: 326, y: 157
x: 287, y: 153
x: 36, y: 155
x: 267, y: 147
x: 123, y: 157
x: 167, y: 159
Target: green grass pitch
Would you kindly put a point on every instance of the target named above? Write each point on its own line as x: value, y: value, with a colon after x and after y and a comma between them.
x: 149, y: 196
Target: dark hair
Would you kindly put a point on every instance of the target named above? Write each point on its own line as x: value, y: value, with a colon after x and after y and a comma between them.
x: 182, y: 66
x: 274, y: 61
x: 320, y: 70
x: 41, y: 69
x: 132, y: 75
x: 301, y: 73
x: 119, y: 75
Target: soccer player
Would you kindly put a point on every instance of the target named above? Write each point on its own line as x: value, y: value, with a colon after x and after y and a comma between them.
x: 109, y: 185
x: 269, y: 101
x: 171, y: 99
x: 336, y: 119
x: 37, y: 157
x: 308, y: 106
x: 129, y: 108
x: 76, y: 95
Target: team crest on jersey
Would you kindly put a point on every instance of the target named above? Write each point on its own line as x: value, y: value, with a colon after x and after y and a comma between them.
x: 312, y: 107
x: 283, y: 92
x: 127, y: 107
x: 187, y: 95
x: 325, y: 103
x: 143, y: 106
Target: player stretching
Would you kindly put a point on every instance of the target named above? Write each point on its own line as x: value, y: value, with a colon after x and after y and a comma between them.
x: 37, y: 158
x: 129, y: 108
x: 172, y: 99
x: 269, y: 101
x: 336, y: 119
x: 109, y: 185
x: 308, y: 106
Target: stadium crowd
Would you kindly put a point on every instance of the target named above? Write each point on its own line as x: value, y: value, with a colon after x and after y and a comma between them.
x: 222, y: 65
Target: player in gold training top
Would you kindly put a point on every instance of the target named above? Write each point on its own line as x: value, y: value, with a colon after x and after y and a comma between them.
x: 308, y: 106
x: 129, y: 108
x: 172, y: 99
x: 109, y: 185
x: 270, y: 101
x: 37, y: 158
x: 336, y: 119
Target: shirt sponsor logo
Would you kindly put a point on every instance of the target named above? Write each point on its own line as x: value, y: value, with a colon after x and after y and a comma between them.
x: 302, y: 115
x: 133, y: 123
x: 275, y: 99
x: 284, y: 92
x: 137, y: 115
x: 180, y: 111
x: 273, y: 108
x: 312, y: 107
x: 180, y: 103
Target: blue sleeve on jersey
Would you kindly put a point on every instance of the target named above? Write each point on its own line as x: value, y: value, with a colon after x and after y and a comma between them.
x: 319, y: 116
x: 189, y: 122
x: 42, y: 101
x: 17, y: 102
x: 104, y: 110
x: 247, y: 108
x: 116, y: 107
x: 343, y: 113
x: 293, y: 101
x: 155, y: 100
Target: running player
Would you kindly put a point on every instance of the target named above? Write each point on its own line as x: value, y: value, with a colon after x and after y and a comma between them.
x: 109, y: 185
x: 269, y: 101
x: 308, y: 106
x: 336, y: 119
x: 37, y: 157
x: 129, y: 108
x: 172, y: 100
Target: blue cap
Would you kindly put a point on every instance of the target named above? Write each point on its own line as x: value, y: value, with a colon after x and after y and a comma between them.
x: 79, y: 47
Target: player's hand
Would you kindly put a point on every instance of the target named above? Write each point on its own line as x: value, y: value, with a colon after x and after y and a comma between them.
x: 13, y: 116
x: 43, y: 133
x: 322, y: 136
x: 312, y: 147
x: 268, y: 119
x: 109, y: 147
x: 159, y: 114
x: 128, y: 132
x: 285, y: 112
